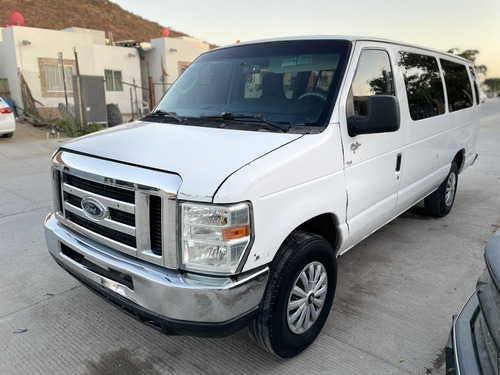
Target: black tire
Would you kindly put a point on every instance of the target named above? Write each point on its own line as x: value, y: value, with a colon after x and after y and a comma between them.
x: 271, y: 328
x: 441, y: 201
x: 8, y: 135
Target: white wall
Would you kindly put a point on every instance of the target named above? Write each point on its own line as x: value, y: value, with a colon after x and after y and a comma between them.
x: 127, y: 61
x: 98, y: 36
x: 94, y: 57
x: 173, y: 51
x: 30, y: 44
x: 8, y: 64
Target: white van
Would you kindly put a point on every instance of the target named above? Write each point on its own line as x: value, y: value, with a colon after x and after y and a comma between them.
x: 227, y: 206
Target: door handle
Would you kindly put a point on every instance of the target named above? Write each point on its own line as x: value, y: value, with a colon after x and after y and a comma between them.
x: 398, y: 162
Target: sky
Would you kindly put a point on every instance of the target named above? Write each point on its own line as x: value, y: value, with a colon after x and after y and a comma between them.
x: 438, y: 24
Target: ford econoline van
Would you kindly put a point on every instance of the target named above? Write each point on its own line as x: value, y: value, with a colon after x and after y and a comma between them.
x: 227, y: 205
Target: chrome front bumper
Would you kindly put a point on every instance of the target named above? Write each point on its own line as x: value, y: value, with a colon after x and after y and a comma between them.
x: 178, y: 302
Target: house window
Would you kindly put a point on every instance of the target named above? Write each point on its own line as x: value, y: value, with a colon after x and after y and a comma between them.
x: 113, y: 80
x: 51, y: 77
x: 182, y: 65
x: 54, y: 78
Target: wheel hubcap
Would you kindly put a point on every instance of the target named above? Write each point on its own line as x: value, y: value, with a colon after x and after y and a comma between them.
x: 451, y: 185
x: 307, y: 297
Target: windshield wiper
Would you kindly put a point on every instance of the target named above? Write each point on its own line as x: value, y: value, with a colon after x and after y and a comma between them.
x: 237, y: 116
x: 162, y: 113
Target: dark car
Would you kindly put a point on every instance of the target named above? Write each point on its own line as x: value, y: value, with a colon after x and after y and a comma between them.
x: 474, y: 344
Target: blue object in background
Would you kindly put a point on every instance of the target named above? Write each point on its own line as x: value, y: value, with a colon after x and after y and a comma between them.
x: 10, y: 102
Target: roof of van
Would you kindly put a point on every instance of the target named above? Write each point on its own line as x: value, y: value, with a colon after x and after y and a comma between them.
x: 350, y: 38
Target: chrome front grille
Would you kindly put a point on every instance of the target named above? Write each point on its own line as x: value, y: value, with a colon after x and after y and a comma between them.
x: 139, y: 204
x: 119, y: 226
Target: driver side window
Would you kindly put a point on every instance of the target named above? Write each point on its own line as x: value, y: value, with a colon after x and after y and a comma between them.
x: 373, y: 77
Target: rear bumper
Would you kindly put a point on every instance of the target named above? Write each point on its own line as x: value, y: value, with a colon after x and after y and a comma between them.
x: 175, y: 302
x: 7, y: 125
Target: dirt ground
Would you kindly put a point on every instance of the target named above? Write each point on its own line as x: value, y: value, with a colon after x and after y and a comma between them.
x: 25, y: 131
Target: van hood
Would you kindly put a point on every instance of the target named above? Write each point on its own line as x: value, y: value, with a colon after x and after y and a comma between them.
x: 202, y: 157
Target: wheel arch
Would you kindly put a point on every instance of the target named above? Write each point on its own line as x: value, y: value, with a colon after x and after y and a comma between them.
x: 324, y: 225
x: 459, y: 159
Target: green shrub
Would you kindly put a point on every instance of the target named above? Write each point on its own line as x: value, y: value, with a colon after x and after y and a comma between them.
x: 94, y: 127
x: 73, y: 129
x: 70, y: 126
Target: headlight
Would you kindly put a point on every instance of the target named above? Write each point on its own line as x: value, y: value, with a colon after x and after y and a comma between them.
x: 214, y: 238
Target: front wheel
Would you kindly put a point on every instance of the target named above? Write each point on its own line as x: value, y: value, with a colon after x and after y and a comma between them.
x: 441, y: 201
x: 298, y: 297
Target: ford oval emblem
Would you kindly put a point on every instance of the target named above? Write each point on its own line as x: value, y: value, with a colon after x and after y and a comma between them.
x: 94, y: 209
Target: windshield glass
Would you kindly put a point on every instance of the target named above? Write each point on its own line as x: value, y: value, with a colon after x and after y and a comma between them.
x: 289, y: 83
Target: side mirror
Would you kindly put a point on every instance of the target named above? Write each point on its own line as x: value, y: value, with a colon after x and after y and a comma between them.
x: 383, y: 116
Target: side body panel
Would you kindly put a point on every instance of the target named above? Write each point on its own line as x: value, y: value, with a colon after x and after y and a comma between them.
x: 371, y: 173
x: 363, y: 181
x: 432, y: 143
x: 387, y: 173
x: 287, y: 187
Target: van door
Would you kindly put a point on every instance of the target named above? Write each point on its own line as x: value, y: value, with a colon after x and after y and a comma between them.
x: 427, y: 134
x: 372, y: 162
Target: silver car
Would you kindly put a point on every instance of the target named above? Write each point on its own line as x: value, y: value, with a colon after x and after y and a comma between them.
x: 7, y: 120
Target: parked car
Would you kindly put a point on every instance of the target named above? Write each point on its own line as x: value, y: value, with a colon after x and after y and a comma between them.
x: 474, y: 343
x: 227, y: 205
x: 7, y: 120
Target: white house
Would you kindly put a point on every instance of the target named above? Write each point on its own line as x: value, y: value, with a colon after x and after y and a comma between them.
x: 30, y: 63
x: 168, y: 58
x: 36, y: 54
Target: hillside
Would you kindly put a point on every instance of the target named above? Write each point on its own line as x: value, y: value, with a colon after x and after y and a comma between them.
x: 93, y: 14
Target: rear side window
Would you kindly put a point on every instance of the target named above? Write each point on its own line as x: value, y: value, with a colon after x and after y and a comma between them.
x: 373, y: 77
x: 476, y: 87
x: 424, y: 87
x: 458, y: 85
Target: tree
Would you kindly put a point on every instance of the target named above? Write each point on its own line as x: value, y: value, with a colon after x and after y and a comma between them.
x: 470, y: 54
x: 493, y: 84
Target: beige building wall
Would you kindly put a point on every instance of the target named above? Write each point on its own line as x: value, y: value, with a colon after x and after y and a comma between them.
x: 30, y: 49
x: 32, y: 52
x: 176, y: 54
x: 125, y: 60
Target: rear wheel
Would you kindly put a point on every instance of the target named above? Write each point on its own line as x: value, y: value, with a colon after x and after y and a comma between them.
x: 8, y: 135
x: 298, y: 296
x: 441, y: 201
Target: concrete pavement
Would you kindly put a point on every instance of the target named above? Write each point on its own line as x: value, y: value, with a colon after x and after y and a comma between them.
x: 396, y: 293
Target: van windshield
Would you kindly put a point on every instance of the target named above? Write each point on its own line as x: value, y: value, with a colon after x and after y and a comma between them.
x: 278, y: 86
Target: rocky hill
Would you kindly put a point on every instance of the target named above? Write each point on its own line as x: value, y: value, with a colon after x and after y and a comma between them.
x: 94, y: 14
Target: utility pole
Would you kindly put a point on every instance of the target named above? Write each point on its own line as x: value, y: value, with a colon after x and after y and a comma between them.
x: 63, y: 79
x: 151, y: 86
x: 136, y: 102
x: 79, y: 90
x: 131, y: 103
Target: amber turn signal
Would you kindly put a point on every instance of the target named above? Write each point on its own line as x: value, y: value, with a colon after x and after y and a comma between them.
x: 235, y: 233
